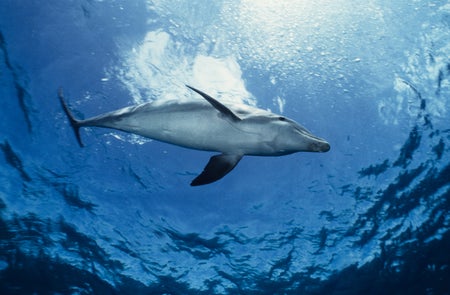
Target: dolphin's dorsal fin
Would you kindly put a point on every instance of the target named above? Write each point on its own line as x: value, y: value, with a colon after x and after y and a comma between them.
x: 217, y: 167
x: 219, y: 106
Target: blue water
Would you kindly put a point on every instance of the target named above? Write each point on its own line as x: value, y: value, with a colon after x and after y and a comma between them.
x: 118, y: 216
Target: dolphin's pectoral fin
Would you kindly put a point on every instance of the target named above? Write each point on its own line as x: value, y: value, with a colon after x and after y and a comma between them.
x: 217, y: 167
x: 219, y: 106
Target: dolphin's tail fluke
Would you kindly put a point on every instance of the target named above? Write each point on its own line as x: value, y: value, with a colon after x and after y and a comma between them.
x: 73, y: 121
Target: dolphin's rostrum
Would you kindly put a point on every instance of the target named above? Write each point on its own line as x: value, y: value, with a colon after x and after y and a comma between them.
x: 208, y: 125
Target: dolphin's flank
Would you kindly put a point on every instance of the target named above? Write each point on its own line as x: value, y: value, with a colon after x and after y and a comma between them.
x: 208, y: 125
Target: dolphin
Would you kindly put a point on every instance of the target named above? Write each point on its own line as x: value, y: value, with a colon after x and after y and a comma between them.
x: 208, y: 125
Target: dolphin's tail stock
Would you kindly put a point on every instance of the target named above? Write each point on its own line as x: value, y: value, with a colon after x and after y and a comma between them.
x: 73, y: 121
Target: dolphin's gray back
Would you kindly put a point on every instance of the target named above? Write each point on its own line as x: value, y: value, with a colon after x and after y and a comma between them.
x: 194, y: 124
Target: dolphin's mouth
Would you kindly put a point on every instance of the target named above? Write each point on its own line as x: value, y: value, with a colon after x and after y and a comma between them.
x: 320, y: 146
x: 316, y: 144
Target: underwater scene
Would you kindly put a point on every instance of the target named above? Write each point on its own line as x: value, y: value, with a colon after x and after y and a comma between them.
x: 309, y: 154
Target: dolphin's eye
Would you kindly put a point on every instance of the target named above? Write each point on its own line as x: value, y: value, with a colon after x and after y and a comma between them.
x: 282, y: 118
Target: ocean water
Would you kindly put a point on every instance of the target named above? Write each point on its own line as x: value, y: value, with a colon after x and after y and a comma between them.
x: 118, y: 216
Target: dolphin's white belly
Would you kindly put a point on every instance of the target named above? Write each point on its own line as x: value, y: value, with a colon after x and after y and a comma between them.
x: 195, y: 125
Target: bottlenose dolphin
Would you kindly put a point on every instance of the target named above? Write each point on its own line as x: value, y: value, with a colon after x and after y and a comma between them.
x: 208, y: 125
